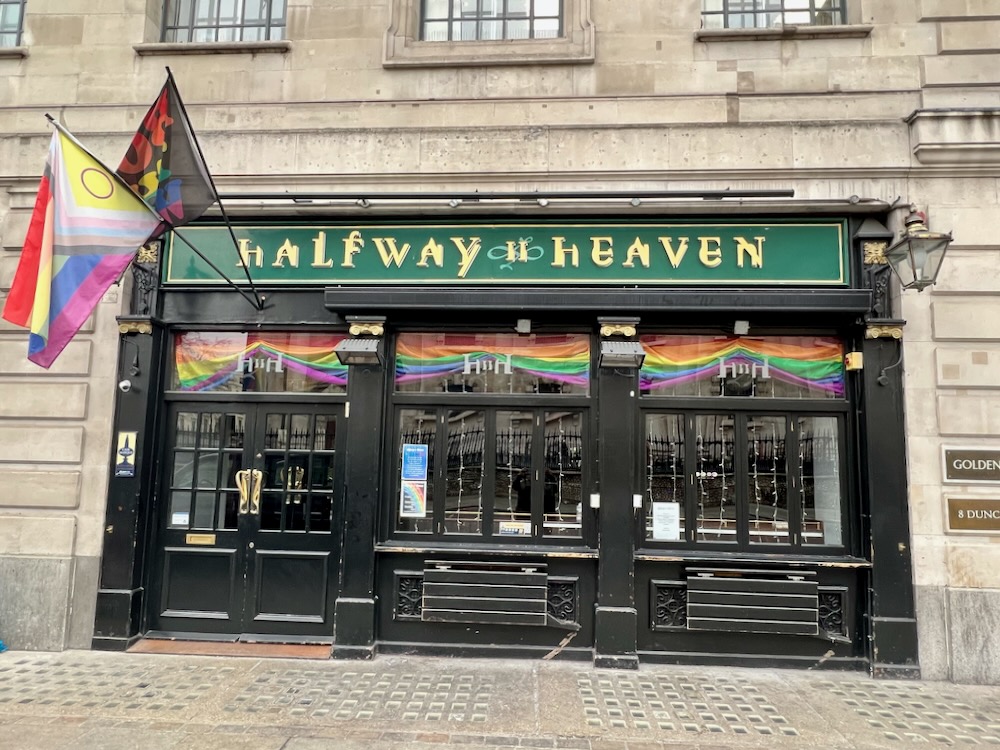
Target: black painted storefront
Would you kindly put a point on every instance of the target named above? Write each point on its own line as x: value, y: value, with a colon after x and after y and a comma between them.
x: 606, y: 592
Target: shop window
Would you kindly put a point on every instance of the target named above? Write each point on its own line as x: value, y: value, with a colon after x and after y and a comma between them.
x: 490, y: 20
x: 491, y: 436
x: 766, y: 14
x: 239, y: 362
x: 744, y: 442
x: 11, y: 22
x: 224, y: 20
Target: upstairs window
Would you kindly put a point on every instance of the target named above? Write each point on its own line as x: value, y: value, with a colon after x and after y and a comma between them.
x: 11, y: 22
x: 767, y: 14
x: 224, y: 20
x: 490, y: 20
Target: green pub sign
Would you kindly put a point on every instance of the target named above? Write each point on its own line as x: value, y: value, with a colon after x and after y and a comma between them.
x: 675, y: 253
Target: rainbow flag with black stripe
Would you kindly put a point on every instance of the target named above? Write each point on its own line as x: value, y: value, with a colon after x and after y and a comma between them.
x: 84, y: 231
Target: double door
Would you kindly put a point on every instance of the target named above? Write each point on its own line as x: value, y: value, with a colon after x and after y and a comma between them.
x: 249, y: 518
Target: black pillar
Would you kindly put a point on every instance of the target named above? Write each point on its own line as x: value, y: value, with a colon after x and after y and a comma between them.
x: 354, y: 616
x: 120, y: 597
x: 615, y: 621
x: 892, y: 620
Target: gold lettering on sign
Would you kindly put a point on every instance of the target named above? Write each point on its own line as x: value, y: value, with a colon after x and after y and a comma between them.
x: 352, y: 246
x: 246, y: 252
x: 517, y: 252
x: 433, y: 250
x: 394, y: 254
x: 319, y: 252
x: 675, y: 257
x: 288, y: 252
x: 640, y: 250
x: 469, y: 253
x: 756, y: 252
x: 560, y: 252
x: 601, y: 255
x: 708, y: 255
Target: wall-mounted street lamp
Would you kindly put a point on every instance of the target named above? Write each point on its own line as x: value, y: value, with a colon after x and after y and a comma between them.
x: 365, y: 345
x: 621, y: 354
x: 916, y: 257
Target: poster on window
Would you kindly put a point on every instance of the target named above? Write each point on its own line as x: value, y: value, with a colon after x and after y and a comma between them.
x: 414, y: 462
x: 667, y: 522
x: 413, y: 499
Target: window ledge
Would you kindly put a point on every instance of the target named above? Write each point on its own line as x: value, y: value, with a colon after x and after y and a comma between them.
x: 213, y: 48
x: 493, y: 548
x: 10, y: 53
x: 843, y: 31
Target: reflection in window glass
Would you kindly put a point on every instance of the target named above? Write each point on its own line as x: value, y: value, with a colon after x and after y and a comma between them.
x: 492, y: 363
x: 715, y: 478
x: 415, y: 470
x: 767, y: 480
x: 245, y: 362
x: 760, y: 367
x: 562, y: 498
x: 750, y: 14
x: 463, y: 502
x: 228, y: 20
x: 819, y: 458
x: 514, y: 486
x: 11, y: 20
x: 484, y: 20
x: 665, y: 477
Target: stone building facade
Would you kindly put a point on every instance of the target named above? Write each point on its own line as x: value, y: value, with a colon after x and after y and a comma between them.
x: 889, y: 103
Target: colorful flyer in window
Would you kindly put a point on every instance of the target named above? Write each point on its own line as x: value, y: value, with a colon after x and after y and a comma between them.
x: 413, y: 499
x: 125, y: 467
x: 667, y: 522
x: 414, y: 462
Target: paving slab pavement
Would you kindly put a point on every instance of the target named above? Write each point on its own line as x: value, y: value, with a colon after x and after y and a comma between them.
x: 89, y: 700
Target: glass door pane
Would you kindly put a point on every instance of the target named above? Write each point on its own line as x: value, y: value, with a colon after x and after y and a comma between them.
x: 767, y: 480
x: 819, y: 462
x: 514, y: 485
x: 463, y: 502
x: 666, y: 478
x: 564, y: 462
x: 415, y: 470
x: 715, y: 478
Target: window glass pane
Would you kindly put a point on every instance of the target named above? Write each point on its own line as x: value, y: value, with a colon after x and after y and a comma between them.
x: 491, y: 9
x: 10, y: 17
x: 245, y: 362
x: 492, y: 363
x: 514, y: 485
x: 204, y: 510
x: 435, y: 9
x: 463, y: 509
x: 320, y: 513
x: 464, y: 32
x: 665, y: 477
x: 204, y: 35
x: 757, y: 366
x: 228, y: 34
x: 436, y: 31
x: 229, y: 11
x: 767, y: 480
x: 491, y: 30
x: 466, y: 8
x: 229, y: 499
x: 715, y: 478
x: 205, y: 11
x: 562, y: 499
x: 547, y: 7
x: 415, y: 470
x: 255, y: 10
x: 277, y: 15
x: 546, y: 28
x: 819, y: 459
x: 180, y: 510
x: 518, y: 7
x: 712, y: 5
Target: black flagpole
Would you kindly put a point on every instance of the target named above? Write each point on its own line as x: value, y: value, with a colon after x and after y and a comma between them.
x: 236, y: 245
x: 215, y: 268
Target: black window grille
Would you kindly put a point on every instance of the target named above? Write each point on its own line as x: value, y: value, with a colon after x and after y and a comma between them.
x: 765, y: 14
x: 224, y: 20
x: 11, y: 22
x: 490, y: 20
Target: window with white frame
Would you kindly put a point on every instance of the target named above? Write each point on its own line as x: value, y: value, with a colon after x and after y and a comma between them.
x: 490, y: 20
x: 765, y: 14
x: 11, y: 22
x: 224, y: 20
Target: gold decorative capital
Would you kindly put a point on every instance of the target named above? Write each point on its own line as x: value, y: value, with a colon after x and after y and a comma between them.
x: 367, y: 329
x: 136, y: 326
x: 875, y: 253
x: 884, y: 332
x: 617, y: 329
x: 149, y: 253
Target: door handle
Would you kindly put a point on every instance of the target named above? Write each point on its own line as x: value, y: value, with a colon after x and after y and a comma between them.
x: 258, y: 482
x: 243, y: 484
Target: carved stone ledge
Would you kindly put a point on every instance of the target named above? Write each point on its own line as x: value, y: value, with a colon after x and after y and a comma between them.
x: 956, y: 136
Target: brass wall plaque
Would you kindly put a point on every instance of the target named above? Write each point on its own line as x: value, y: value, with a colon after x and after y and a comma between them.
x: 973, y: 514
x: 200, y: 538
x: 965, y: 465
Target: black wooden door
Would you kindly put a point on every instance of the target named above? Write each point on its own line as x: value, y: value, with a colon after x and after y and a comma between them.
x: 248, y: 529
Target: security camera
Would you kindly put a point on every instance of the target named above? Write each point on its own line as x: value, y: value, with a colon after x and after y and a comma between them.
x: 125, y: 386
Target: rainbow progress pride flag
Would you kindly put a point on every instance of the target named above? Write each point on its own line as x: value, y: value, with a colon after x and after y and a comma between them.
x: 84, y: 231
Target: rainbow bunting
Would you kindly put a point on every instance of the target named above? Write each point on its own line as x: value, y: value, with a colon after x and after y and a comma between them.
x: 84, y: 231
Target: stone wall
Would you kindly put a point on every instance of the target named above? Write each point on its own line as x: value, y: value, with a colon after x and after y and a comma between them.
x: 644, y: 99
